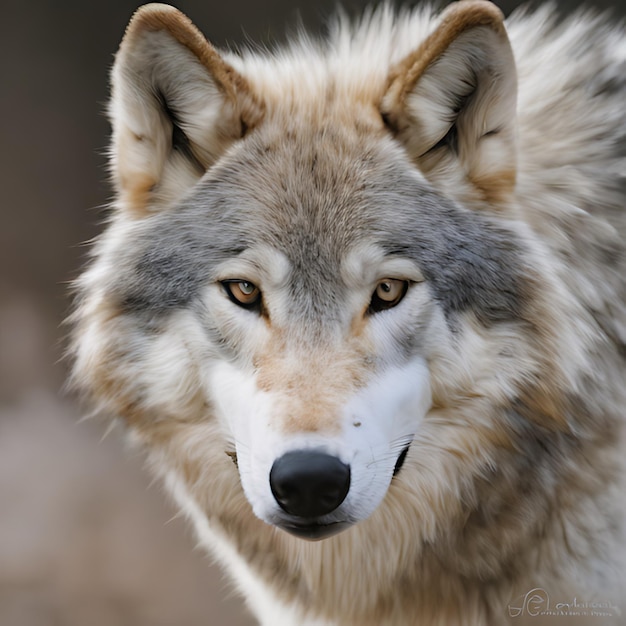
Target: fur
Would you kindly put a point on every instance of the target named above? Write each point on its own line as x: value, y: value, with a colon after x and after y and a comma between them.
x: 476, y: 162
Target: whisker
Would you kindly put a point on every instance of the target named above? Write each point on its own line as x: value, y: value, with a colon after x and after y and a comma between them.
x: 109, y: 429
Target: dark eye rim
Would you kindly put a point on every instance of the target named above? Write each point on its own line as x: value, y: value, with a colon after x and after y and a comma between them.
x: 377, y: 304
x: 253, y: 305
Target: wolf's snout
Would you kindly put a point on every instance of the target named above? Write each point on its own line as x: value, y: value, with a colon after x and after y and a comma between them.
x: 309, y: 483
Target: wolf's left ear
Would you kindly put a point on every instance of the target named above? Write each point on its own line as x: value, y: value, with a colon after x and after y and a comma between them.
x: 176, y: 106
x: 452, y: 103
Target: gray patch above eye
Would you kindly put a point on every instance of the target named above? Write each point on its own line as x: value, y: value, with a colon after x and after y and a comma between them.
x: 171, y: 258
x: 469, y: 262
x: 164, y: 280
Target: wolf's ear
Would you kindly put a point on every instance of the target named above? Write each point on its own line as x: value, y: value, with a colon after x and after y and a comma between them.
x: 452, y: 103
x: 176, y: 106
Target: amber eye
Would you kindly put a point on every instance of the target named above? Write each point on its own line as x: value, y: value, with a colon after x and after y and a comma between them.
x: 243, y: 292
x: 389, y: 292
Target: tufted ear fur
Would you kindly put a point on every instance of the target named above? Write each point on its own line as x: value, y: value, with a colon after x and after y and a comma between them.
x: 176, y: 106
x: 452, y: 103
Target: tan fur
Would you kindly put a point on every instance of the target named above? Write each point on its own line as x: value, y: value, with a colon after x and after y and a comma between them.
x: 496, y: 189
x: 314, y: 384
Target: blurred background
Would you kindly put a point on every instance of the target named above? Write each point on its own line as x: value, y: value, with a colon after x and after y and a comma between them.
x: 84, y: 537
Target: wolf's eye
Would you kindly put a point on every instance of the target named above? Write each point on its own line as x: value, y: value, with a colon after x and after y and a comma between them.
x: 242, y: 292
x: 388, y: 293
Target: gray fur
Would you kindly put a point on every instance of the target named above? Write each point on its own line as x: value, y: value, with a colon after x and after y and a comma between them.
x: 469, y: 263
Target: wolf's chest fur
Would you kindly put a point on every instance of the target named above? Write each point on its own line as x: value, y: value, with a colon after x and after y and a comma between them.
x: 385, y: 274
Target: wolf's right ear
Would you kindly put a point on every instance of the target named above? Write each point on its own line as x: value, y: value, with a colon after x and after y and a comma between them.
x: 176, y: 106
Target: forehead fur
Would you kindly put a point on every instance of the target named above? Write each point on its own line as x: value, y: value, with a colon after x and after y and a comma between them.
x: 314, y: 189
x: 353, y: 61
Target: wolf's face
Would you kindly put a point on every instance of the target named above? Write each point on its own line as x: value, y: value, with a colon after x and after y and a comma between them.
x: 279, y: 269
x: 318, y: 320
x: 312, y: 281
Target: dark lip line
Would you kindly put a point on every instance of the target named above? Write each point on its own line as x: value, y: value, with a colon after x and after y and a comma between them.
x: 315, y: 531
x: 313, y: 525
x: 400, y: 461
x: 284, y: 522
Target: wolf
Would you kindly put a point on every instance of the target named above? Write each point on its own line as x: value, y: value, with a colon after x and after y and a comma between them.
x: 362, y: 300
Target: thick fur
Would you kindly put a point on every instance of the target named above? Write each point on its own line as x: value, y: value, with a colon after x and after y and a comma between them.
x: 481, y: 163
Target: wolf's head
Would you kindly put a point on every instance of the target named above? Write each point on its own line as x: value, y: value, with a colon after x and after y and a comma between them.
x: 302, y: 271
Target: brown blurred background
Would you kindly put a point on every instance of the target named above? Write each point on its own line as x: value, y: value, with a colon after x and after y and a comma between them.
x: 84, y: 537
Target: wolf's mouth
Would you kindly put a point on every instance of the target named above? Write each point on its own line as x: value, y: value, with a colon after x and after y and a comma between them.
x: 314, y: 532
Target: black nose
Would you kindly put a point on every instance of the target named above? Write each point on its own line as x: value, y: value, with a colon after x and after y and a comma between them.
x: 309, y: 483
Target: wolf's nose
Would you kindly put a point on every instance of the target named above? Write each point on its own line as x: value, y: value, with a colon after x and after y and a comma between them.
x: 309, y: 483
